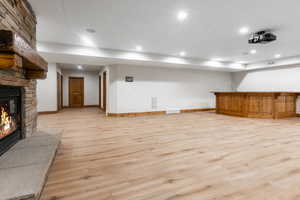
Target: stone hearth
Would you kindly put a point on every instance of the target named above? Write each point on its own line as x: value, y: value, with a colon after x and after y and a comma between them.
x: 24, y: 168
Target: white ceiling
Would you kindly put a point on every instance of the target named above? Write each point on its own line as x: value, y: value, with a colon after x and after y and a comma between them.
x: 211, y: 30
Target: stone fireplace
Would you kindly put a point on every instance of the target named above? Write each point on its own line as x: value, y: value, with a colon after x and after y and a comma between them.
x: 20, y: 66
x: 23, y: 168
x: 17, y: 108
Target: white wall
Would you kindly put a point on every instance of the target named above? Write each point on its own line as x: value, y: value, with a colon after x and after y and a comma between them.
x: 91, y: 86
x: 174, y: 89
x: 277, y: 79
x: 47, y: 91
x: 285, y: 79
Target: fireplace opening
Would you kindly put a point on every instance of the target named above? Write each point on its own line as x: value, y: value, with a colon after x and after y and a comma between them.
x: 8, y: 122
x: 10, y: 117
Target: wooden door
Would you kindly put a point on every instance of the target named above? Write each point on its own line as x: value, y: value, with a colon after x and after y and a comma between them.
x: 104, y: 91
x: 59, y: 92
x: 76, y: 92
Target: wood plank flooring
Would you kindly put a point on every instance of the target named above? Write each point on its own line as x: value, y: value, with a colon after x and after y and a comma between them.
x: 197, y: 156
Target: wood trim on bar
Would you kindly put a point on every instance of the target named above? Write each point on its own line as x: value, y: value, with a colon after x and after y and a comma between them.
x: 297, y: 115
x: 259, y: 93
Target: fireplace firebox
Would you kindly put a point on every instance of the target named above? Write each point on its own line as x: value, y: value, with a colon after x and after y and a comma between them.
x: 10, y: 117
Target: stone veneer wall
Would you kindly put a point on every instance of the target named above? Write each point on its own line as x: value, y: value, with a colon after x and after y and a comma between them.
x: 29, y: 100
x: 17, y: 15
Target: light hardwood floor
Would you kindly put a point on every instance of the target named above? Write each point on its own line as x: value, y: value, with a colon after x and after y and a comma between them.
x: 197, y: 156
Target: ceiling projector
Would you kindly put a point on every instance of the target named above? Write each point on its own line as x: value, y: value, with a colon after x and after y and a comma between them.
x: 262, y: 37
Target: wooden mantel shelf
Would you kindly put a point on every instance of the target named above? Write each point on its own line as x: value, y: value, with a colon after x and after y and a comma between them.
x: 16, y: 53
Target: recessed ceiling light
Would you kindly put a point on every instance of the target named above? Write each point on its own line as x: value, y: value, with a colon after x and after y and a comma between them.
x: 244, y: 30
x: 138, y: 48
x: 182, y: 15
x: 277, y: 56
x: 253, y: 51
x: 236, y: 65
x: 213, y: 63
x: 79, y: 67
x: 182, y: 53
x: 90, y: 30
x: 218, y: 59
x: 87, y: 41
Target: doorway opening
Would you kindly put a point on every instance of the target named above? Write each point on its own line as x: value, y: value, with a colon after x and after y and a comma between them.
x: 59, y: 92
x: 104, y: 91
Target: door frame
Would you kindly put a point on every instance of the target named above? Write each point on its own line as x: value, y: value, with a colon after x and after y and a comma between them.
x: 82, y: 98
x: 105, y: 91
x: 60, y: 93
x: 100, y: 92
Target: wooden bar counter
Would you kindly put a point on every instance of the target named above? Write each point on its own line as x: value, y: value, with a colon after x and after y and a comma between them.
x: 273, y: 105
